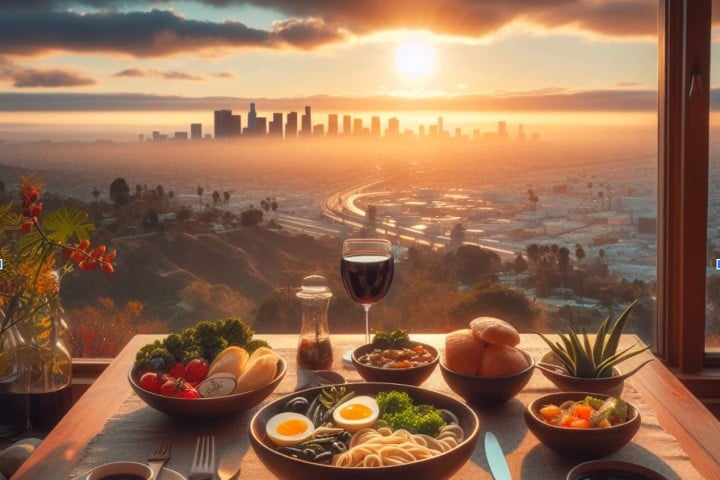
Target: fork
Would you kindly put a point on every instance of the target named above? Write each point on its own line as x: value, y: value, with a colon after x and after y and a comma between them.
x: 159, y: 456
x: 203, y: 463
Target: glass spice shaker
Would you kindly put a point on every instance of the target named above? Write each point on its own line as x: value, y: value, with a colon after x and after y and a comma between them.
x: 314, y: 347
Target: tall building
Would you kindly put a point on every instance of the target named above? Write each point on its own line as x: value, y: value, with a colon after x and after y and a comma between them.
x: 393, y: 129
x: 357, y: 127
x: 276, y: 125
x: 440, y: 127
x: 260, y: 127
x: 347, y: 125
x: 502, y: 128
x: 319, y: 130
x: 227, y: 124
x: 252, y: 119
x: 421, y: 131
x: 291, y: 126
x: 306, y: 122
x: 196, y: 131
x: 375, y: 126
x: 332, y: 125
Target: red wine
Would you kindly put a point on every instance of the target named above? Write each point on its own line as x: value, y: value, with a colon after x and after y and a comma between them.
x: 367, y: 276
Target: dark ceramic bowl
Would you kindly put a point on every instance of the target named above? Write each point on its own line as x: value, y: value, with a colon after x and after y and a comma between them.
x: 408, y: 376
x: 488, y: 391
x: 208, y: 407
x: 615, y: 469
x: 579, y: 443
x: 606, y: 386
x: 434, y: 468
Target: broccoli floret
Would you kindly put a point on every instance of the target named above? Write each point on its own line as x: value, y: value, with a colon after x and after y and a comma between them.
x: 397, y: 410
x: 396, y: 339
x: 154, y: 357
x: 253, y: 345
x: 393, y: 402
x: 235, y: 331
x: 174, y: 344
x: 209, y: 340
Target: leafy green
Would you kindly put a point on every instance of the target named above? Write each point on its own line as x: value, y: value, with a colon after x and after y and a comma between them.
x: 397, y: 410
x: 396, y: 339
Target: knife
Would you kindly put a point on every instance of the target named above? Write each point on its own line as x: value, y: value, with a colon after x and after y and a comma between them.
x: 229, y: 464
x: 496, y: 458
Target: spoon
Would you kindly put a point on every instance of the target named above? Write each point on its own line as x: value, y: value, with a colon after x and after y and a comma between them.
x: 229, y: 465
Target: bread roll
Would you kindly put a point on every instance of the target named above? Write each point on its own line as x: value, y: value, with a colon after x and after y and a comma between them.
x: 501, y: 360
x: 463, y: 352
x: 494, y: 330
x: 260, y: 371
x: 232, y: 360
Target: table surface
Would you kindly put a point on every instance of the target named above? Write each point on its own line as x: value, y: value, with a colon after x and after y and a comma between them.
x: 677, y: 410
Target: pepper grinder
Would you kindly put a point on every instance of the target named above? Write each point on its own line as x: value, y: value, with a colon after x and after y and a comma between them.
x: 314, y: 347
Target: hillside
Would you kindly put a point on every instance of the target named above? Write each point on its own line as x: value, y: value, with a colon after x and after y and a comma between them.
x: 243, y: 265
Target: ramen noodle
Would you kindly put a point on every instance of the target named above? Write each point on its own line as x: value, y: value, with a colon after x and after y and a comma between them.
x: 383, y: 447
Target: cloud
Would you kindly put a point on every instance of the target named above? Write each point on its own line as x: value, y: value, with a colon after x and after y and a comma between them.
x: 54, y: 77
x: 175, y: 75
x: 627, y: 83
x: 137, y: 72
x: 148, y: 34
x: 225, y: 75
x: 131, y: 72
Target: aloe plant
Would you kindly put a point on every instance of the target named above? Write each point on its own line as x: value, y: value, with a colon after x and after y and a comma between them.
x: 585, y: 359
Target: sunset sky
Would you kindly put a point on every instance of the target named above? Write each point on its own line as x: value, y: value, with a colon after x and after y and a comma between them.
x: 289, y: 49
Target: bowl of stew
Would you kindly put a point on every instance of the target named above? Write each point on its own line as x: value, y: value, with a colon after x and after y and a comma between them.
x: 409, y: 365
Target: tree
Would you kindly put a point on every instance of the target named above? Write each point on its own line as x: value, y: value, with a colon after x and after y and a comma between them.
x: 601, y: 196
x: 601, y: 255
x: 530, y: 194
x: 457, y: 235
x: 589, y: 186
x: 184, y: 214
x: 580, y: 253
x: 119, y: 192
x: 226, y: 197
x: 520, y: 265
x: 160, y: 190
x: 200, y: 191
x: 274, y: 205
x: 95, y: 194
x: 563, y: 262
x: 138, y: 191
x: 533, y: 252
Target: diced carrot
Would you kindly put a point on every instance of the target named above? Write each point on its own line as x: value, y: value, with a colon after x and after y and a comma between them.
x: 604, y: 423
x: 568, y: 420
x: 550, y: 412
x: 580, y: 423
x: 582, y: 411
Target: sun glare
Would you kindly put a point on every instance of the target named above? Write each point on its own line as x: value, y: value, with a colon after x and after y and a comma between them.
x: 415, y: 59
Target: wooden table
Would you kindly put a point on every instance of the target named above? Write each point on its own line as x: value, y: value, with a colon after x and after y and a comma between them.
x: 678, y: 411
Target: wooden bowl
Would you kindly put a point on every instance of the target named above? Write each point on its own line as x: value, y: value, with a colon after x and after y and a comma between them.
x: 579, y: 443
x: 208, y: 407
x: 488, y: 391
x: 603, y: 469
x: 407, y: 376
x: 439, y: 467
x: 606, y: 386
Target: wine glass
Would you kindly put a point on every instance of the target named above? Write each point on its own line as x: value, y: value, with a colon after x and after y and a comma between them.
x: 367, y: 268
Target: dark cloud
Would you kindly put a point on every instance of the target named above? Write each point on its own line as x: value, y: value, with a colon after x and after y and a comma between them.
x: 141, y: 34
x: 306, y: 32
x: 50, y: 78
x: 131, y: 72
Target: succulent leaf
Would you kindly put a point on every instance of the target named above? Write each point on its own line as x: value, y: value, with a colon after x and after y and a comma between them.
x: 616, y: 330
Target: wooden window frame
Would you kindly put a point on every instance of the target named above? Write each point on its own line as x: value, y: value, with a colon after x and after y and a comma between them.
x: 683, y: 154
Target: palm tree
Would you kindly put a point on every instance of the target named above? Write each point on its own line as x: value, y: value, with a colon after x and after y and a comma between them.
x: 226, y: 197
x: 589, y: 185
x: 601, y: 254
x: 95, y: 194
x: 200, y: 191
x: 216, y: 198
x: 274, y: 207
x: 579, y: 253
x: 601, y: 195
x: 563, y: 262
x: 530, y: 194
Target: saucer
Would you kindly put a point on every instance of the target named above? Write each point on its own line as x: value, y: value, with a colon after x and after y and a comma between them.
x: 165, y: 474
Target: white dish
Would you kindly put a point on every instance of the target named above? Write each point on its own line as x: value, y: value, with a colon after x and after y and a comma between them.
x: 165, y: 473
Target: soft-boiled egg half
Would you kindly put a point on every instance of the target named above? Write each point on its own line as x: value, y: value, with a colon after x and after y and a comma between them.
x: 288, y: 428
x: 357, y: 413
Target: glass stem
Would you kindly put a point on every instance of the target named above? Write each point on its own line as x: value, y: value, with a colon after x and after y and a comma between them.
x: 367, y: 323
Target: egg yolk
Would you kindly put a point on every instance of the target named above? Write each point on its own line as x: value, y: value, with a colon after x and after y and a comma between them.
x: 355, y: 411
x: 292, y: 427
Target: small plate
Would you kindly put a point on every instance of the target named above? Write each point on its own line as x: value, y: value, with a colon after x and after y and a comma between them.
x: 615, y: 469
x: 165, y: 473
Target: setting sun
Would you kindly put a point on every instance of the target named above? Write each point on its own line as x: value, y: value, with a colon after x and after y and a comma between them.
x: 415, y: 59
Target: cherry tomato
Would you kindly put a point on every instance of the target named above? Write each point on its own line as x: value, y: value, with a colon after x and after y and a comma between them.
x: 196, y: 370
x: 169, y: 388
x: 150, y: 381
x: 190, y: 392
x: 177, y: 370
